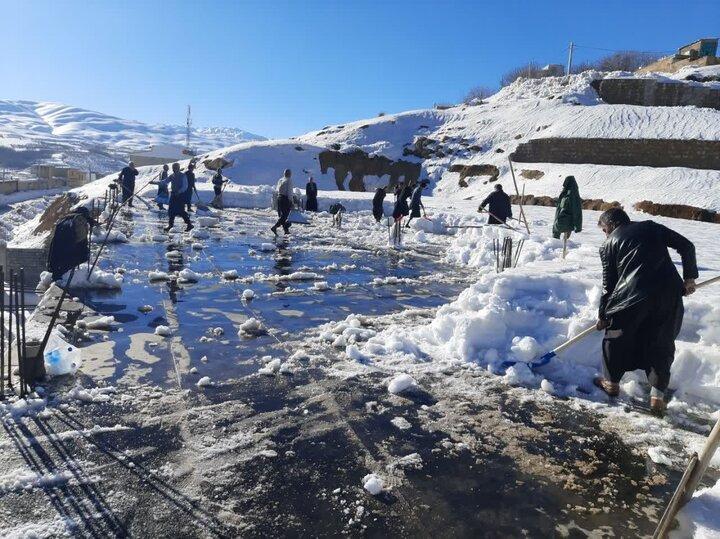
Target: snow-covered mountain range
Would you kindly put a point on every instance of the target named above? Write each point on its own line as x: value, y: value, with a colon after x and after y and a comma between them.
x: 31, y: 131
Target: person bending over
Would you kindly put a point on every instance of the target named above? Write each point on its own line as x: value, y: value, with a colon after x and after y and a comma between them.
x: 641, y: 307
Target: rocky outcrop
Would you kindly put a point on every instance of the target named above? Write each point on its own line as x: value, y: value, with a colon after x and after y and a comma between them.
x: 679, y: 211
x: 468, y: 171
x: 587, y: 204
x: 359, y: 164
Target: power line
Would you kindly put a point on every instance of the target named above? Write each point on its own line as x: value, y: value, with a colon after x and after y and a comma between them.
x: 622, y: 50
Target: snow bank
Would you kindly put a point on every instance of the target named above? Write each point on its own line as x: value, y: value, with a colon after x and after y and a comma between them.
x: 700, y: 518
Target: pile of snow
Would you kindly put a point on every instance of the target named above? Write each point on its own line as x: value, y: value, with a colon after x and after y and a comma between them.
x: 113, y: 236
x: 252, y: 327
x: 248, y: 294
x: 90, y: 395
x: 158, y: 276
x: 163, y: 331
x: 188, y: 276
x: 321, y: 286
x: 98, y: 279
x: 271, y: 367
x: 230, y: 275
x: 700, y: 517
x: 400, y: 383
x: 373, y: 484
x: 204, y: 382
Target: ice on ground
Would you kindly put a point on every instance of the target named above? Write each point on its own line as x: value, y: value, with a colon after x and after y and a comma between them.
x: 90, y: 395
x: 400, y: 383
x: 230, y: 275
x: 373, y: 484
x: 267, y: 247
x: 401, y: 423
x: 321, y: 286
x: 104, y: 322
x: 658, y: 456
x: 163, y: 331
x: 207, y: 221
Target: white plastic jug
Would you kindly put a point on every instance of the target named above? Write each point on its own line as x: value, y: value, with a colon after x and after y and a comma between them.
x: 61, y: 357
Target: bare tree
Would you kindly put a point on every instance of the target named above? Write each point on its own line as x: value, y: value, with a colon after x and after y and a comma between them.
x: 531, y: 70
x: 582, y: 67
x: 625, y: 61
x: 478, y: 94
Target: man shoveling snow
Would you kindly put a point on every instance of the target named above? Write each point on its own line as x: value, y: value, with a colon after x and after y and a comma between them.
x: 641, y: 308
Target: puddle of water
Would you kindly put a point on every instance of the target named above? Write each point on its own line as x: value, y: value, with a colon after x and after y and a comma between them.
x: 287, y: 307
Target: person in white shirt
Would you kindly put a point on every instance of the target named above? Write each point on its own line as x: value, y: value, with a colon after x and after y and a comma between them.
x: 284, y: 202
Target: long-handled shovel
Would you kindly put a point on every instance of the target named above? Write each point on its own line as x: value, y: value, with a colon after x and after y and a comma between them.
x: 500, y: 220
x: 545, y: 359
x: 200, y: 203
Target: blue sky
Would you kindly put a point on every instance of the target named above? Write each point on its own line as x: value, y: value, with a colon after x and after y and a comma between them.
x: 281, y: 68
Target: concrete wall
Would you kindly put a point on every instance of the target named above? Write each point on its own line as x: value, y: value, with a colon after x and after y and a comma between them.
x: 671, y: 64
x: 13, y: 186
x: 702, y: 154
x: 651, y: 93
x: 32, y: 260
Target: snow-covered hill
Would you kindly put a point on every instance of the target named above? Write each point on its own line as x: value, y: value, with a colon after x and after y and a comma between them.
x: 487, y: 133
x: 75, y: 136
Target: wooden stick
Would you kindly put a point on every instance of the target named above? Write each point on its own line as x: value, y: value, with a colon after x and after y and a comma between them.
x: 690, y: 480
x: 522, y: 212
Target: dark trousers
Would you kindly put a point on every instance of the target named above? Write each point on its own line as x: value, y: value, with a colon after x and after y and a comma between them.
x: 176, y: 208
x: 188, y: 197
x: 643, y: 337
x: 284, y: 207
x: 128, y: 189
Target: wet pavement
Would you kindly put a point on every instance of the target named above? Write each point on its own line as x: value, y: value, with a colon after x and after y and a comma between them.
x: 285, y: 455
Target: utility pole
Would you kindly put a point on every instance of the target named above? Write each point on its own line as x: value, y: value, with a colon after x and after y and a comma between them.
x: 188, y: 126
x: 570, y: 53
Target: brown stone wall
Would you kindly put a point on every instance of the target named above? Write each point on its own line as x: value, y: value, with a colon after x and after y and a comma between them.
x: 359, y: 164
x: 652, y: 93
x: 702, y: 154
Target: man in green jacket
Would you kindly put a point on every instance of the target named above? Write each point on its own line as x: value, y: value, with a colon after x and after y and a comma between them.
x: 568, y: 215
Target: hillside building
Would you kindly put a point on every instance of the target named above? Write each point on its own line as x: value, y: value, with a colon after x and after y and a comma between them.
x: 700, y: 53
x: 159, y: 154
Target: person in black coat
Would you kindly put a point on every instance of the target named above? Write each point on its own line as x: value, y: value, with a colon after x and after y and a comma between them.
x: 378, y: 200
x: 127, y: 182
x: 311, y: 190
x: 499, y: 206
x: 190, y: 175
x: 401, y: 208
x: 641, y: 307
